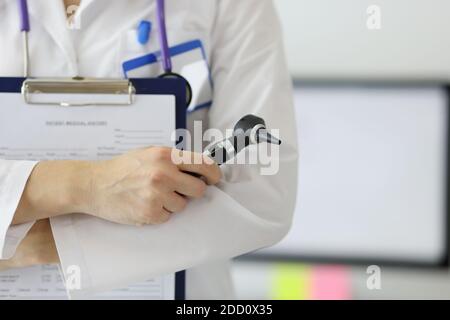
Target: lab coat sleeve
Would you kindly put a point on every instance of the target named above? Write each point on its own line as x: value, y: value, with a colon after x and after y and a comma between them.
x: 13, y: 178
x: 251, y: 77
x: 247, y: 211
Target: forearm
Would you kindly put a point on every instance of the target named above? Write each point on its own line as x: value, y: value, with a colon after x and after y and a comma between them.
x: 55, y: 188
x: 5, y: 265
x: 37, y: 248
x: 140, y: 187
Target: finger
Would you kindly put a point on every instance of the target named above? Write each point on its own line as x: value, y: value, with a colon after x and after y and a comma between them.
x: 180, y: 157
x: 202, y: 166
x: 162, y: 217
x: 189, y: 186
x: 174, y: 203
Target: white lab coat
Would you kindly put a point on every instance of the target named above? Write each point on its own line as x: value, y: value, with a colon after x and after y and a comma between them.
x: 243, y: 44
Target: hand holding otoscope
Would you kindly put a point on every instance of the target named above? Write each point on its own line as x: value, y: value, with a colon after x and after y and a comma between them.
x: 248, y: 131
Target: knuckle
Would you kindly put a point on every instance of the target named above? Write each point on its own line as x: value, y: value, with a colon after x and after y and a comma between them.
x: 162, y: 153
x: 157, y: 178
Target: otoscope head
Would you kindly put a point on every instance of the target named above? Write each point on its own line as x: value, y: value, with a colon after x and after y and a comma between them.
x: 249, y: 130
x: 254, y: 128
x: 249, y: 122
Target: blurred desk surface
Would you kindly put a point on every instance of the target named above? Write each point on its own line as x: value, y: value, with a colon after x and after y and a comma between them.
x: 256, y: 281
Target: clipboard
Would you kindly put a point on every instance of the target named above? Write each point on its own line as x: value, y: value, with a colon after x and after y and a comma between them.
x: 124, y: 88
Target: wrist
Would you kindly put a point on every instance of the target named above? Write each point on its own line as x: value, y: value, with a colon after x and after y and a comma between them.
x: 78, y: 186
x: 56, y: 188
x: 59, y: 187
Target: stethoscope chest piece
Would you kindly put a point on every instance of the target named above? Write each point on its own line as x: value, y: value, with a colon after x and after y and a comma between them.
x: 173, y: 75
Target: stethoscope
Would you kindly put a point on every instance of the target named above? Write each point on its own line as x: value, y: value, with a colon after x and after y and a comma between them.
x: 166, y: 59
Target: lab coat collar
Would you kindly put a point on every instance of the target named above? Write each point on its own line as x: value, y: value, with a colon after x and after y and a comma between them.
x: 52, y: 16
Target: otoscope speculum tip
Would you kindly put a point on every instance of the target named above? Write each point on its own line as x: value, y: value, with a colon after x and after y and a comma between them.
x: 263, y: 136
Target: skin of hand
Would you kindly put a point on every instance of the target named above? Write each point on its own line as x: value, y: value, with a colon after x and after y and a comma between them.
x: 138, y: 188
x: 145, y: 186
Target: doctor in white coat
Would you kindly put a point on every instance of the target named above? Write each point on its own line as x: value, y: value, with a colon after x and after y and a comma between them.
x: 243, y: 49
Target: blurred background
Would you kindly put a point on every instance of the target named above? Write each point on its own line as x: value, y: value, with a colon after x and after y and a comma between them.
x: 372, y: 105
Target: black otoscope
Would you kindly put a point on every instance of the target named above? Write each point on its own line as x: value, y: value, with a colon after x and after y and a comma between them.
x: 248, y: 131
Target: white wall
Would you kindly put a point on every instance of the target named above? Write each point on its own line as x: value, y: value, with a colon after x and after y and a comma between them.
x: 329, y: 39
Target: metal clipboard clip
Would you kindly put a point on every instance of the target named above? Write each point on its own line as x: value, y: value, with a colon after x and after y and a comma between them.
x: 105, y: 92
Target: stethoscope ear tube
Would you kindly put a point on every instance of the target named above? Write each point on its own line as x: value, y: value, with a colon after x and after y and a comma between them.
x: 24, y: 28
x: 163, y: 38
x: 165, y: 51
x: 24, y: 16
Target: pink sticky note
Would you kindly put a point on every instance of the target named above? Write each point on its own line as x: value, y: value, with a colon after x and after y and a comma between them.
x: 331, y: 283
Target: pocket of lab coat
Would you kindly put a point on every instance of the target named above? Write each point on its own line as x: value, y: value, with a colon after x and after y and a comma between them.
x: 188, y: 59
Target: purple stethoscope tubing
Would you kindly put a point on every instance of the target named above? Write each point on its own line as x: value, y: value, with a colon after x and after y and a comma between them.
x: 24, y: 16
x: 24, y: 28
x: 161, y: 19
x: 166, y: 59
x: 165, y: 52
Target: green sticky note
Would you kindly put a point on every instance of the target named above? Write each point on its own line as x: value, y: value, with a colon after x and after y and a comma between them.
x: 292, y: 282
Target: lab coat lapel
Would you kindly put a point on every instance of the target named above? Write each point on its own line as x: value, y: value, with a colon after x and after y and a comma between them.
x: 81, y: 15
x: 84, y: 4
x: 51, y: 14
